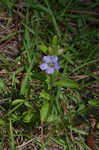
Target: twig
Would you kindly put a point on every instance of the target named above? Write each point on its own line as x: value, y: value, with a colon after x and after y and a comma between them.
x: 79, y: 77
x: 24, y: 144
x: 83, y: 12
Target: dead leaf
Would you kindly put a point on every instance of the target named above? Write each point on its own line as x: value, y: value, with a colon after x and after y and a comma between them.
x: 90, y: 140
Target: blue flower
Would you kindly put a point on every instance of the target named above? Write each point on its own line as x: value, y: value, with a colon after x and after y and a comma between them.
x: 50, y: 64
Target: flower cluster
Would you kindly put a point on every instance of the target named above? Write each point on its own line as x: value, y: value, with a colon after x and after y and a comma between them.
x: 50, y: 64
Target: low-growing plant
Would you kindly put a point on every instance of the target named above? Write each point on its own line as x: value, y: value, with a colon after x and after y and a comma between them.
x: 48, y: 91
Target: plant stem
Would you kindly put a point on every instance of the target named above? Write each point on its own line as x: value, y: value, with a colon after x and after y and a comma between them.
x: 42, y: 135
x: 42, y: 130
x: 51, y: 85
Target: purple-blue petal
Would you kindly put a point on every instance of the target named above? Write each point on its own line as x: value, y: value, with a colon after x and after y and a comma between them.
x: 54, y: 59
x: 47, y: 59
x: 50, y: 70
x: 43, y: 66
x: 50, y: 64
x: 56, y: 66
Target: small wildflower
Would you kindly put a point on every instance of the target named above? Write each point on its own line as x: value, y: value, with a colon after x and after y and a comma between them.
x: 50, y: 64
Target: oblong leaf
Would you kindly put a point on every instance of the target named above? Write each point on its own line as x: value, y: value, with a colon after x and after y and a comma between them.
x: 12, y: 144
x: 44, y: 112
x: 44, y: 95
x: 43, y: 48
x: 27, y: 116
x: 51, y: 118
x: 2, y: 122
x: 18, y: 101
x: 97, y: 125
x: 55, y: 41
x: 66, y: 83
x: 94, y: 102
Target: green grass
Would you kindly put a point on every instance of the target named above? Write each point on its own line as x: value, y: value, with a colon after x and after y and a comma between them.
x: 68, y: 29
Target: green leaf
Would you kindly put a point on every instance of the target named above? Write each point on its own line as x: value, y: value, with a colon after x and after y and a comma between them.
x: 2, y: 86
x: 44, y: 112
x: 81, y: 107
x: 15, y: 108
x: 79, y: 131
x: 51, y: 118
x: 43, y: 48
x: 55, y: 45
x: 94, y: 102
x: 48, y: 80
x: 24, y: 84
x: 97, y: 125
x: 12, y: 145
x: 27, y: 116
x: 55, y: 75
x: 15, y: 117
x: 66, y: 83
x: 2, y: 122
x: 50, y: 51
x: 55, y: 41
x: 44, y: 95
x: 26, y: 103
x: 18, y: 101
